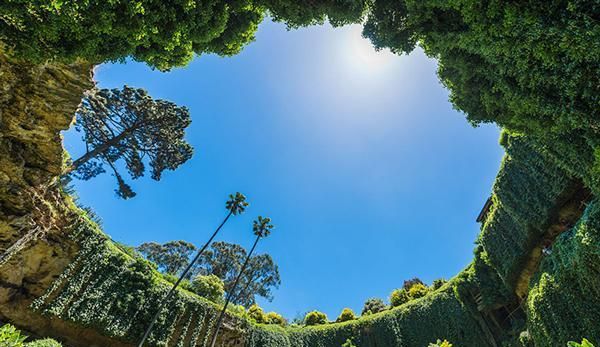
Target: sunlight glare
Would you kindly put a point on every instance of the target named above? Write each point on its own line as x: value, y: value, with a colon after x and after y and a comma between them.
x: 360, y: 55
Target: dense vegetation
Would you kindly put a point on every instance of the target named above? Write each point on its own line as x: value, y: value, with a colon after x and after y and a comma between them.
x: 530, y: 67
x: 127, y: 124
x: 11, y: 337
x: 564, y: 301
x: 105, y: 287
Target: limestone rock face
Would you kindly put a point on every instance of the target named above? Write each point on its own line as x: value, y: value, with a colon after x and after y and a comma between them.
x: 36, y: 103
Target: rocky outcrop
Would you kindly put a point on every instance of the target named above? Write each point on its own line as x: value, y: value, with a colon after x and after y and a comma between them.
x: 36, y: 104
x: 37, y: 219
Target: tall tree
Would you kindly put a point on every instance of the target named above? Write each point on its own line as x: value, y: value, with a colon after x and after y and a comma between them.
x: 129, y: 125
x: 225, y: 261
x: 260, y: 277
x: 262, y: 228
x: 235, y: 205
x: 171, y: 257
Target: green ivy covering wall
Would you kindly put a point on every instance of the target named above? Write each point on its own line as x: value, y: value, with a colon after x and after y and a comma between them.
x: 114, y: 293
x: 564, y: 301
x: 108, y: 290
x: 440, y: 314
x: 527, y: 190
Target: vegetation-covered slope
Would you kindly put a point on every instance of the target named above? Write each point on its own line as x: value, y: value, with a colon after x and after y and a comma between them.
x: 531, y: 67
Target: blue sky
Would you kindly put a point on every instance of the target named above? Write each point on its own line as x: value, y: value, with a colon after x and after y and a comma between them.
x: 368, y: 173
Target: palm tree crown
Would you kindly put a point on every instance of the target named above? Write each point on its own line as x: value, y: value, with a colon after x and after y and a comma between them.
x: 262, y: 226
x: 237, y: 203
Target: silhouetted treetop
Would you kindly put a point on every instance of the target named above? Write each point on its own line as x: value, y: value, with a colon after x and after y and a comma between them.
x: 129, y: 125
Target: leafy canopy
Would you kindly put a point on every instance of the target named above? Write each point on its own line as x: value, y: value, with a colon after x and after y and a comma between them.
x: 210, y: 287
x: 162, y: 33
x: 315, y: 318
x: 171, y: 257
x: 346, y: 315
x: 225, y: 260
x: 129, y: 125
x: 373, y: 305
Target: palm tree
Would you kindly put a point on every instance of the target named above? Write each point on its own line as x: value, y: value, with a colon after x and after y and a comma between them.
x: 235, y: 205
x: 262, y: 228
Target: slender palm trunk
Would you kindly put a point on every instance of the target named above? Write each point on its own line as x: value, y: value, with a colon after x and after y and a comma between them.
x: 230, y: 294
x: 181, y: 277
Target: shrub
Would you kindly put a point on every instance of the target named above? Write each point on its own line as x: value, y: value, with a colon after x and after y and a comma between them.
x: 257, y: 314
x: 410, y: 283
x: 315, y: 318
x: 346, y: 315
x: 440, y: 343
x: 418, y: 290
x: 211, y: 287
x: 43, y: 343
x: 348, y: 343
x: 184, y: 284
x: 437, y: 284
x: 373, y: 305
x: 584, y: 343
x: 399, y: 297
x: 276, y: 318
x: 11, y: 337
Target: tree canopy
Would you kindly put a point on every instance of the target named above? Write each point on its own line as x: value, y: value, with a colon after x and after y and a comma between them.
x: 171, y: 257
x: 162, y: 33
x: 531, y: 67
x: 225, y: 261
x: 129, y: 125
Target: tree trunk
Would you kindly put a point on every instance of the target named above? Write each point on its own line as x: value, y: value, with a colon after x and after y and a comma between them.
x: 187, y: 269
x: 98, y: 150
x: 229, y: 296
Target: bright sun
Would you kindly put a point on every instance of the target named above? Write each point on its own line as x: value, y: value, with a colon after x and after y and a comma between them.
x: 361, y: 55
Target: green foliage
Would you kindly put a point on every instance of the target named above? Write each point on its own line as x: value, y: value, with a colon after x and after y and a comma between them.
x: 528, y: 188
x: 373, y: 305
x: 525, y: 66
x: 418, y: 290
x: 107, y: 290
x: 129, y: 125
x: 171, y: 257
x: 441, y: 343
x: 346, y: 315
x: 163, y: 34
x: 210, y: 287
x: 564, y: 299
x: 184, y: 284
x: 584, y: 343
x: 303, y: 13
x: 415, y: 324
x: 412, y: 289
x: 276, y: 318
x: 399, y: 297
x: 257, y: 314
x: 43, y: 343
x: 315, y: 318
x: 437, y: 284
x: 11, y: 337
x: 348, y: 343
x: 225, y: 260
